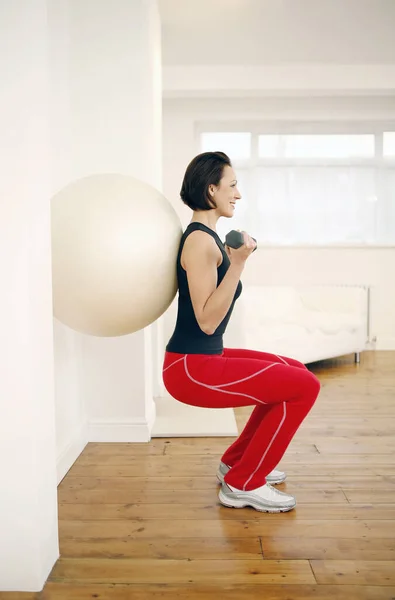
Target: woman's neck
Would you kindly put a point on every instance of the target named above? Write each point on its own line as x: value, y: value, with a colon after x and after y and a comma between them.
x: 206, y: 217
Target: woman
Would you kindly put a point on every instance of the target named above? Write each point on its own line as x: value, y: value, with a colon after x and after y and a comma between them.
x: 199, y: 371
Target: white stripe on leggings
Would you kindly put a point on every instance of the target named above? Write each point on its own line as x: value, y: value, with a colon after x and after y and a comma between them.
x: 246, y: 378
x: 269, y: 446
x: 284, y: 361
x: 173, y: 363
x: 216, y: 388
x: 233, y: 382
x: 219, y: 385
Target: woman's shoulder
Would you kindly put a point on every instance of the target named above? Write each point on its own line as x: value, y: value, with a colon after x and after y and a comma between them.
x: 199, y: 246
x: 205, y: 231
x: 200, y: 238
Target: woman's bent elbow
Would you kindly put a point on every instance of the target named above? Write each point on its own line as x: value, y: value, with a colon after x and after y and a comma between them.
x: 206, y: 328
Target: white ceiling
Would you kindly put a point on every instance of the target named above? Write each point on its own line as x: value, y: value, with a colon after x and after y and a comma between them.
x: 273, y: 32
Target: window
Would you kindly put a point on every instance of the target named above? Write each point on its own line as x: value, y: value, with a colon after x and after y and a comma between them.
x: 316, y: 146
x: 316, y: 188
x: 389, y: 143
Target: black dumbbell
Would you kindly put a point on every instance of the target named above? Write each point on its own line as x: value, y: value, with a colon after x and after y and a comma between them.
x: 234, y: 239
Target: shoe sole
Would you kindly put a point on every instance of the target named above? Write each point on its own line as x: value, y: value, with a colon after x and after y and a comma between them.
x: 242, y: 504
x: 220, y: 478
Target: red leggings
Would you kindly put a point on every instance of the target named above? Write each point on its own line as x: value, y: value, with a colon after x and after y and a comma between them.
x: 282, y: 390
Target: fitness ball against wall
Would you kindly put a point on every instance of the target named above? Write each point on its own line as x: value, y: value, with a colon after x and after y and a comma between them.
x: 114, y: 246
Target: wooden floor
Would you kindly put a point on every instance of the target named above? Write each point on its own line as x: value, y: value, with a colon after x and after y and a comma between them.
x: 142, y: 521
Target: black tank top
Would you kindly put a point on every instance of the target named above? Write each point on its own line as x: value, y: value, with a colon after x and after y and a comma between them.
x: 188, y: 338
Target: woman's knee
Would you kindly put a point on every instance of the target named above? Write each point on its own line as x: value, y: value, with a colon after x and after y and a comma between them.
x: 313, y: 386
x: 306, y: 385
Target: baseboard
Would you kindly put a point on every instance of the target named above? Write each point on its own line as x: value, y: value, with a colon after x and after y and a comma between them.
x: 174, y: 419
x: 71, y: 452
x: 133, y: 430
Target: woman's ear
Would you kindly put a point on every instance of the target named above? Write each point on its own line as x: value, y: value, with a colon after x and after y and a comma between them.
x: 211, y: 190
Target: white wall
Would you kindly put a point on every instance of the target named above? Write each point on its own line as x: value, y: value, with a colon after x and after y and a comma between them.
x: 28, y: 515
x: 272, y: 32
x: 70, y: 411
x: 216, y: 80
x: 105, y: 109
x: 115, y: 88
x: 369, y: 266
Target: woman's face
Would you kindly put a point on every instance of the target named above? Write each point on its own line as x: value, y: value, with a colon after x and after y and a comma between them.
x: 226, y: 194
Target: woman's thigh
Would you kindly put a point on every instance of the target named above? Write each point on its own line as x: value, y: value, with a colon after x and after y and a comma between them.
x: 220, y: 381
x: 266, y: 356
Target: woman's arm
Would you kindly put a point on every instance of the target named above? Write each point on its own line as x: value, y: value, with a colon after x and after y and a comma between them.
x: 200, y: 258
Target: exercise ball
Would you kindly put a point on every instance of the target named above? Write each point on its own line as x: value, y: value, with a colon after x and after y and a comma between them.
x: 114, y: 247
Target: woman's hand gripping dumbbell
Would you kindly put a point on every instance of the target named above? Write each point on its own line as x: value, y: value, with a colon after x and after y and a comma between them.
x: 239, y: 245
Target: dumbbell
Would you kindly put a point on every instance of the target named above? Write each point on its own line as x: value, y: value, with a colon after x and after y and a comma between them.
x: 234, y: 239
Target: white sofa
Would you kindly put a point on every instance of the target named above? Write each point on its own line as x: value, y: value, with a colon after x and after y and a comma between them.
x: 308, y: 323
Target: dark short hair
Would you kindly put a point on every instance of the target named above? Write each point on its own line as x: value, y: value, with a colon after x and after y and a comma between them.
x: 204, y: 170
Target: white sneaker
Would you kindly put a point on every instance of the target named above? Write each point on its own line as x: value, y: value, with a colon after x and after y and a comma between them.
x: 273, y: 478
x: 264, y: 499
